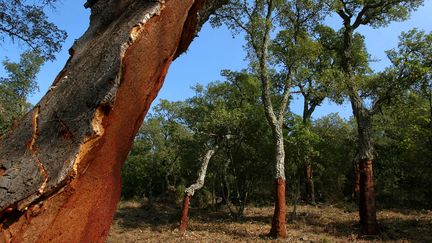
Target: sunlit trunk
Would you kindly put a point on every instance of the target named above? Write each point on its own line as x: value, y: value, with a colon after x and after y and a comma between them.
x: 190, y: 191
x: 278, y: 228
x: 184, y: 215
x: 60, y: 166
x: 367, y: 210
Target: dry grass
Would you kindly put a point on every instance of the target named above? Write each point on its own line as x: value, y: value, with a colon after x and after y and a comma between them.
x: 158, y: 223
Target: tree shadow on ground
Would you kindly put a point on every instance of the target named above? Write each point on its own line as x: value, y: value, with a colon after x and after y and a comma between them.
x: 391, y: 229
x: 160, y: 216
x: 152, y: 216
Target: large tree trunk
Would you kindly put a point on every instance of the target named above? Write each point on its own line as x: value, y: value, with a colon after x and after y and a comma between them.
x: 367, y: 209
x: 60, y: 166
x: 190, y: 191
x: 278, y: 227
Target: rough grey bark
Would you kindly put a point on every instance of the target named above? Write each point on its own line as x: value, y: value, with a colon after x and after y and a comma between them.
x: 199, y: 183
x: 190, y: 191
x: 367, y: 210
x: 90, y: 81
x: 61, y: 164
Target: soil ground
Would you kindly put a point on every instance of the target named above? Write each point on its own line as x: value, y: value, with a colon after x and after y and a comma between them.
x: 134, y: 222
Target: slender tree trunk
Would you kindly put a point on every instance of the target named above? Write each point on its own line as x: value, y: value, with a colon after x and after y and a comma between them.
x: 60, y: 166
x: 367, y: 210
x: 190, y: 191
x: 278, y: 228
x: 184, y: 214
x: 310, y: 187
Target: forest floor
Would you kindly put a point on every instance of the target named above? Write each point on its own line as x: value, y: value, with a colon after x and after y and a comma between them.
x: 322, y: 223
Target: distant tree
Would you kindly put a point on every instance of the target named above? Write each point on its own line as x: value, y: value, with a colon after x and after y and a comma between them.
x: 314, y: 75
x: 353, y: 15
x: 219, y: 115
x: 17, y: 86
x: 258, y: 21
x: 154, y: 163
x: 212, y: 147
x: 25, y: 21
x: 403, y: 131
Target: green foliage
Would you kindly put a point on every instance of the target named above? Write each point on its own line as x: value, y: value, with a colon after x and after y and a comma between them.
x: 27, y: 22
x: 376, y: 13
x: 336, y: 147
x: 17, y: 86
x: 404, y: 150
x: 297, y: 53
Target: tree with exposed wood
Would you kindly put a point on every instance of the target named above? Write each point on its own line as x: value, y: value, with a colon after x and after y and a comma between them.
x: 314, y: 76
x: 199, y: 183
x: 60, y: 166
x: 258, y: 21
x: 374, y: 13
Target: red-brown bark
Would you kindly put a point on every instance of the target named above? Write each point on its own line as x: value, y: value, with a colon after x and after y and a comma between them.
x: 81, y: 207
x: 367, y: 210
x: 184, y: 215
x: 278, y: 228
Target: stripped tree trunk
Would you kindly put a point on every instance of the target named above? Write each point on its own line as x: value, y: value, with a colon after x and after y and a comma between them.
x: 190, y: 191
x: 367, y: 210
x: 368, y: 221
x: 60, y: 166
x: 278, y: 228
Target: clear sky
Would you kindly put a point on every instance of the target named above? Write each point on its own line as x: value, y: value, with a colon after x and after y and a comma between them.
x: 212, y: 51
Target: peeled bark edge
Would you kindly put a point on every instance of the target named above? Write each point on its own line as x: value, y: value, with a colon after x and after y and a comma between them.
x: 278, y: 227
x: 66, y: 138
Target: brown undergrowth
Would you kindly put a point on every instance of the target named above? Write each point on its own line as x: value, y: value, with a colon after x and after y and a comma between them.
x: 159, y: 222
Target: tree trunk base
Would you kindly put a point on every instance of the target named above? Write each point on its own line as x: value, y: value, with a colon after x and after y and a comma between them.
x: 184, y: 215
x: 278, y: 228
x: 367, y: 210
x: 356, y: 189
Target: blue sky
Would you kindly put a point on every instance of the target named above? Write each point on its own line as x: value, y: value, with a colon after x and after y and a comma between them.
x: 212, y: 51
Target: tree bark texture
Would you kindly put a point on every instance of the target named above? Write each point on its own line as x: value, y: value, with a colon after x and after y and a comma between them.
x: 363, y: 117
x: 60, y: 166
x: 190, y: 191
x: 184, y: 214
x: 368, y: 221
x: 279, y: 153
x: 367, y: 209
x: 278, y: 228
x: 202, y: 172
